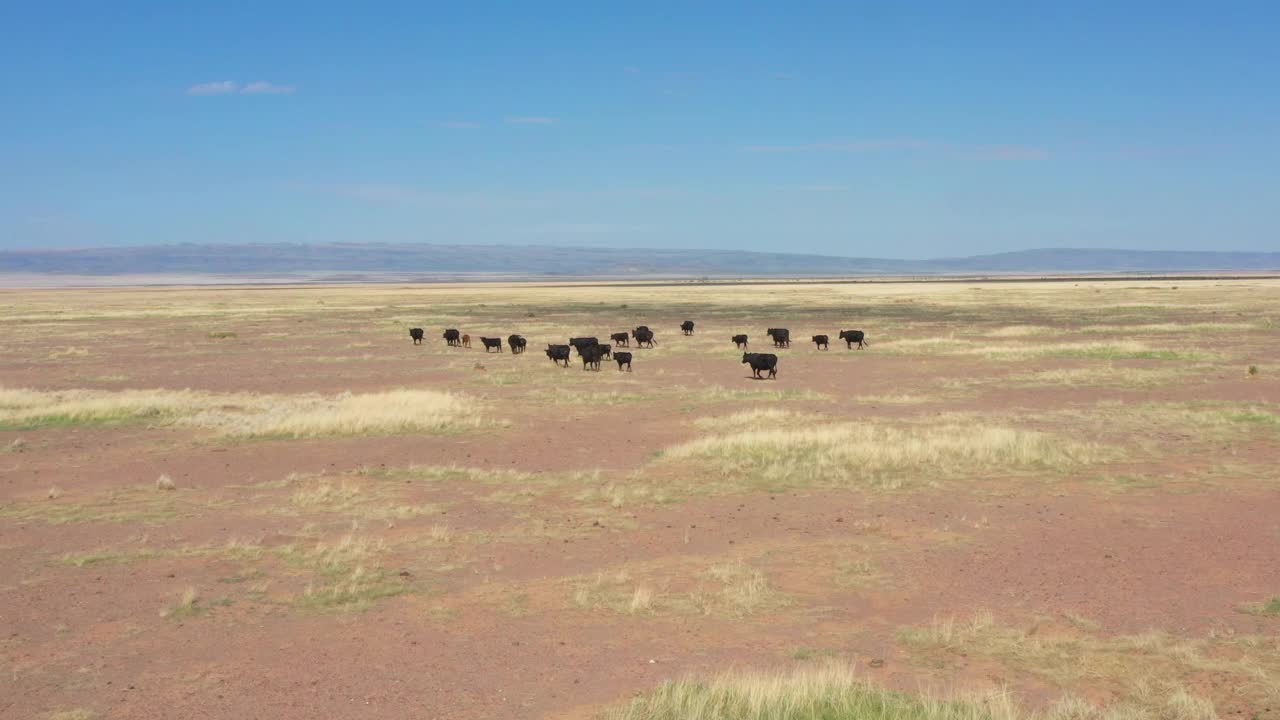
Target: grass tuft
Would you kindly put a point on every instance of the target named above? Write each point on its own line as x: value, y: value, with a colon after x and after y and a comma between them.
x: 164, y: 482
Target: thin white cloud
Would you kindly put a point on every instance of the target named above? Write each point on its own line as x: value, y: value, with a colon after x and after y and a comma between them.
x: 262, y: 87
x: 221, y: 87
x: 972, y: 150
x: 459, y: 124
x: 531, y: 120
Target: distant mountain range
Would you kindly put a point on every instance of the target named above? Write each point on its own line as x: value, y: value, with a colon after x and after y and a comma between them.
x: 422, y: 261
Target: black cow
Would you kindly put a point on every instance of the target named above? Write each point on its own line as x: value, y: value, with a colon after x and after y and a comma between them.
x: 491, y: 343
x: 622, y: 358
x: 687, y: 327
x: 591, y: 355
x: 416, y: 334
x: 739, y: 341
x: 605, y: 350
x: 579, y: 343
x: 760, y: 362
x: 781, y: 337
x: 641, y: 329
x: 517, y: 344
x: 620, y: 339
x: 558, y: 353
x: 854, y: 336
x: 453, y: 337
x: 820, y: 341
x: 643, y: 337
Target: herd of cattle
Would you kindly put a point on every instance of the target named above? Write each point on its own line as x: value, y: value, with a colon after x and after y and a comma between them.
x: 591, y: 351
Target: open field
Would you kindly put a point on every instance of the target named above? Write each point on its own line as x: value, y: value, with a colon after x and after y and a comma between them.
x: 1055, y: 500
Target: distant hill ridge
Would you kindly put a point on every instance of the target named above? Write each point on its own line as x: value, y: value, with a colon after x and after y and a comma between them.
x: 541, y: 260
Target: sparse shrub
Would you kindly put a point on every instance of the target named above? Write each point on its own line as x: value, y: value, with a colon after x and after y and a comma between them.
x: 1253, y: 371
x: 221, y: 335
x: 164, y: 482
x: 17, y: 446
x: 55, y: 492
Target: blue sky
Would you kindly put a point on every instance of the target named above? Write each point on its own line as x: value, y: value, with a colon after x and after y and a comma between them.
x: 847, y: 128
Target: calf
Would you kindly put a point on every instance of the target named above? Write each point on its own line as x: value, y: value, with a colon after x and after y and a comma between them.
x: 605, y: 350
x: 517, y: 344
x: 591, y: 355
x: 558, y: 353
x: 451, y: 336
x: 781, y: 337
x: 622, y: 358
x: 491, y: 343
x: 687, y: 327
x: 643, y: 337
x: 760, y: 362
x: 820, y: 341
x: 850, y: 337
x: 739, y: 341
x: 416, y: 334
x: 466, y: 341
x: 620, y: 339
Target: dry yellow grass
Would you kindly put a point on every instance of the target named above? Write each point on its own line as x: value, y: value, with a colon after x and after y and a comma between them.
x: 879, y: 455
x: 244, y: 415
x: 833, y: 690
x: 1147, y: 669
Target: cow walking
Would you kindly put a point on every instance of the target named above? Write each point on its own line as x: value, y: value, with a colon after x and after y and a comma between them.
x: 622, y: 358
x: 452, y: 337
x: 686, y: 327
x: 492, y: 343
x: 644, y: 337
x: 820, y: 341
x: 621, y: 338
x: 591, y: 355
x: 416, y: 334
x: 854, y: 337
x: 761, y: 362
x: 781, y: 337
x: 740, y: 341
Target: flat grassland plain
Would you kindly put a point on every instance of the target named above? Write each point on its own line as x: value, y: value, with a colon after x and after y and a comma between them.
x: 1045, y: 498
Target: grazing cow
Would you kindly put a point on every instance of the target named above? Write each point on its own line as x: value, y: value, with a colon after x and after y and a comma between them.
x: 622, y: 358
x: 591, y: 355
x: 558, y: 353
x: 781, y: 337
x: 517, y: 344
x: 451, y: 336
x: 416, y: 334
x: 850, y: 337
x: 760, y: 362
x: 820, y: 341
x: 686, y: 327
x: 643, y: 337
x: 739, y: 341
x: 491, y: 343
x: 620, y: 339
x: 466, y: 341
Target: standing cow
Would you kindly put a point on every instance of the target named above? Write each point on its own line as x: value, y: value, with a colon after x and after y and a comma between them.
x: 416, y: 334
x: 781, y: 337
x: 558, y: 354
x: 621, y: 338
x: 622, y: 358
x: 820, y: 341
x: 452, y: 336
x: 739, y: 341
x: 517, y: 344
x: 643, y: 336
x: 686, y: 327
x: 492, y: 343
x: 760, y: 362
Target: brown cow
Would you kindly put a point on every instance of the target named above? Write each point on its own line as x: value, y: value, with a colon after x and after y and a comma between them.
x: 466, y: 341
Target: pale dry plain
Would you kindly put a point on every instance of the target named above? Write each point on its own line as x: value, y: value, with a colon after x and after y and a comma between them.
x: 1047, y: 498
